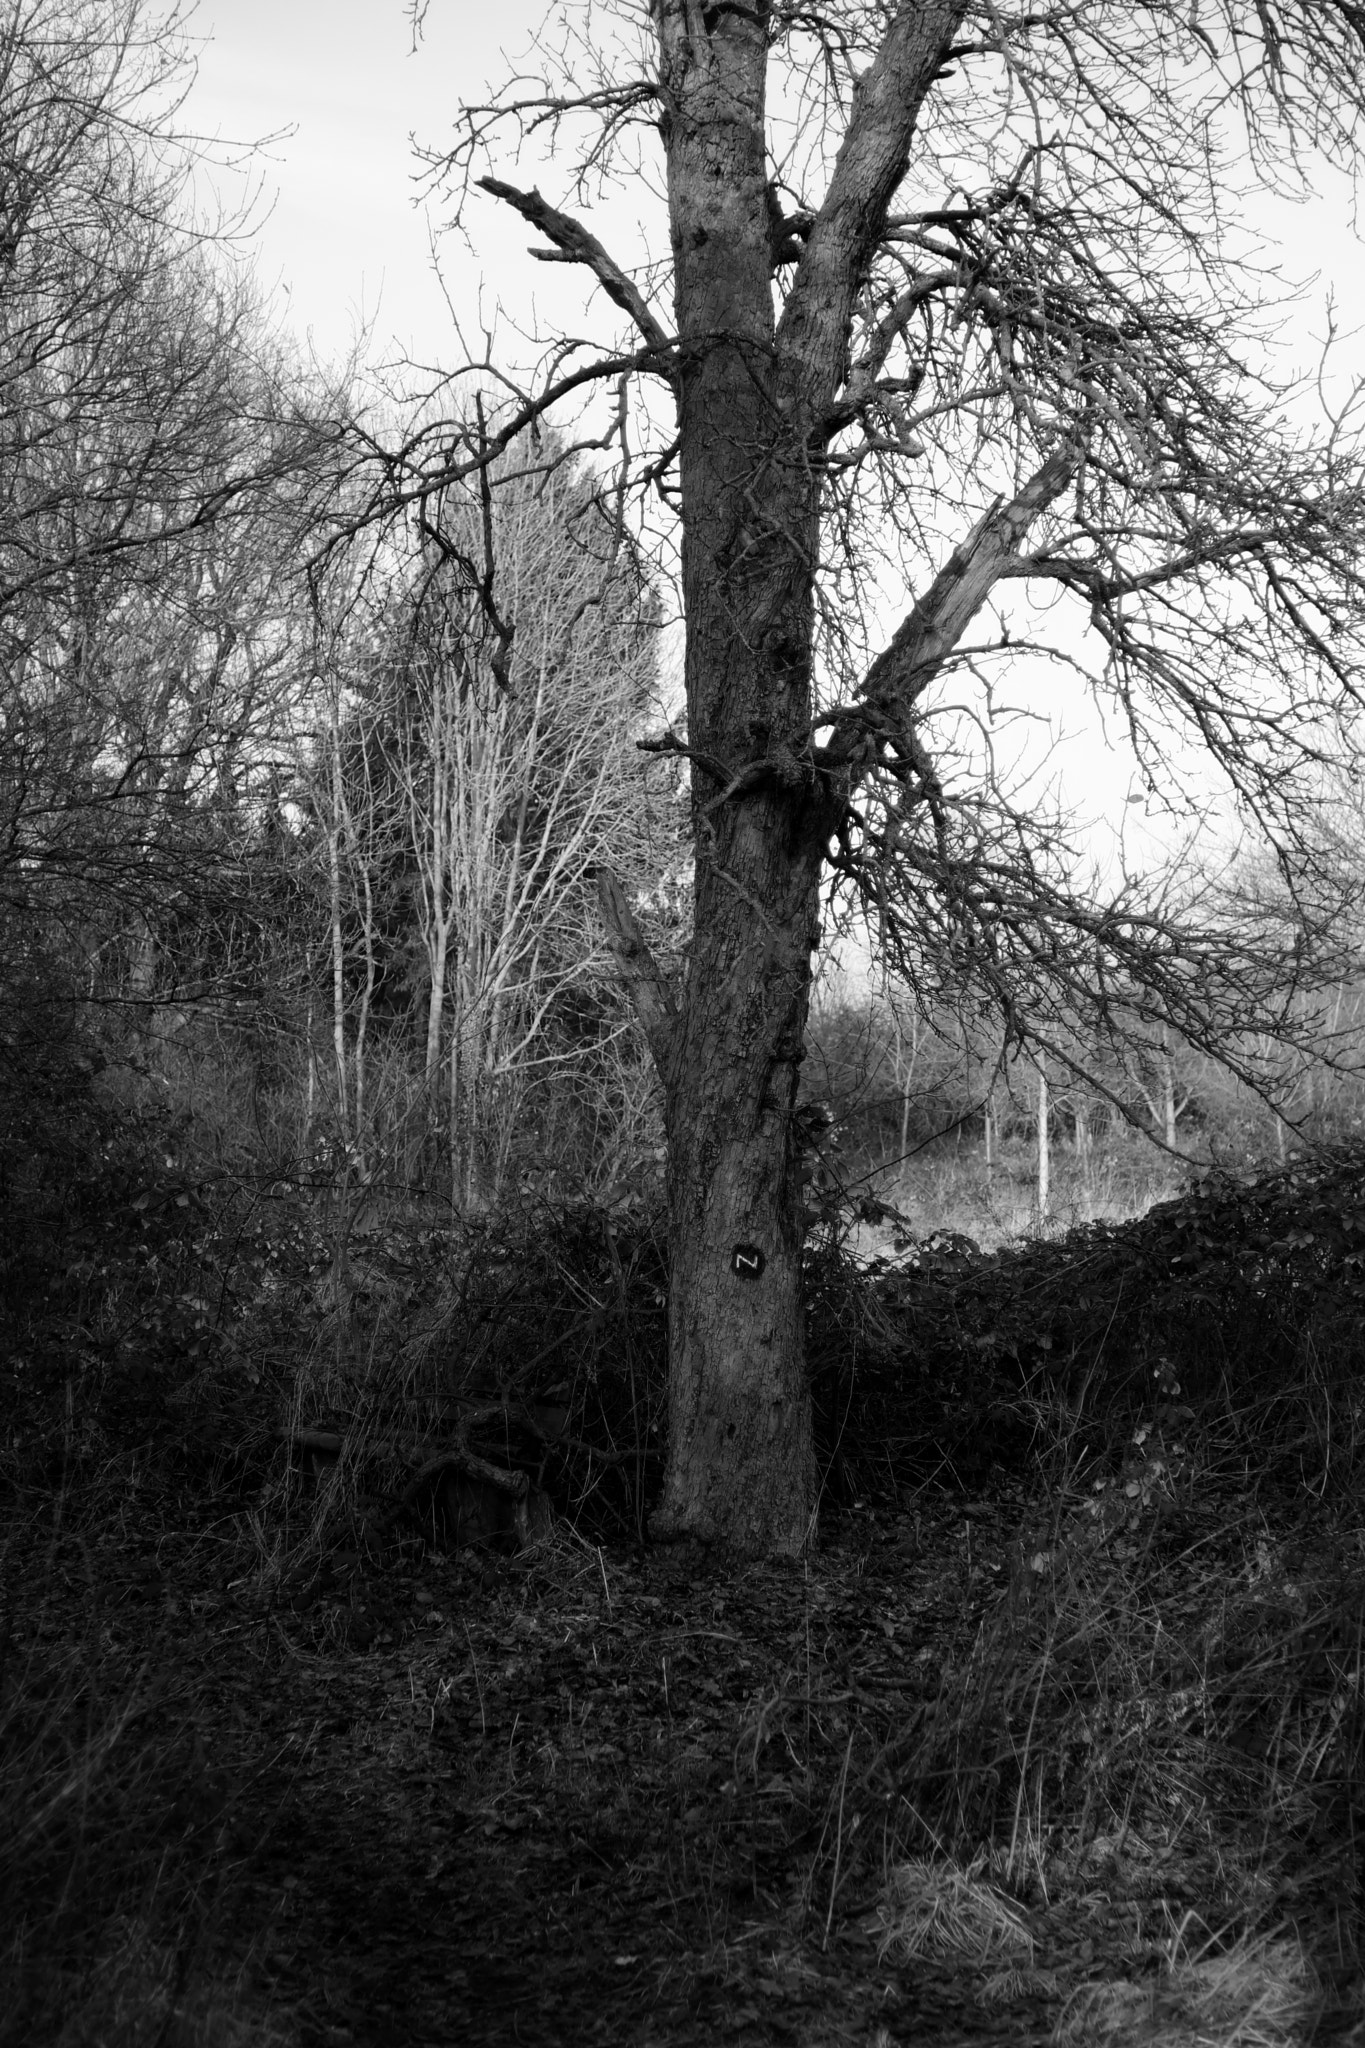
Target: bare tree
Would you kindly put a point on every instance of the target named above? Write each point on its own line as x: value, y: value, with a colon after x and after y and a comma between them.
x: 500, y: 771
x: 124, y: 322
x: 1163, y: 1091
x: 956, y: 327
x: 159, y: 466
x: 1043, y: 1196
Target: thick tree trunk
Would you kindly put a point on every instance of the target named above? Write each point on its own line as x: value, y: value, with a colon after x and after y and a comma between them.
x: 740, y: 1455
x: 754, y: 417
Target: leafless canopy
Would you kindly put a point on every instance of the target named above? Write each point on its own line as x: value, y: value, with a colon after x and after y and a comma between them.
x: 1018, y: 327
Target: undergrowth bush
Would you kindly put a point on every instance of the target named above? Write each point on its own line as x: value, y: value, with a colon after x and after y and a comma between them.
x: 1165, y: 1693
x: 117, y: 1852
x: 554, y: 1317
x: 1240, y: 1302
x: 938, y: 1367
x: 1175, y: 1677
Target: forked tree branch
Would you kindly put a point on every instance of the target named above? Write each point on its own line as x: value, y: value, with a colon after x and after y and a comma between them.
x: 872, y: 161
x: 640, y: 971
x: 937, y: 621
x: 573, y: 244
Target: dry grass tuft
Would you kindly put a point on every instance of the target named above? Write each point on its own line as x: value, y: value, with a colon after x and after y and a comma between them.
x: 1261, y: 1992
x: 935, y: 1909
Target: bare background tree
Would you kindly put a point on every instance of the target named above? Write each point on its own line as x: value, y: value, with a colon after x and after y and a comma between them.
x: 471, y: 785
x: 163, y: 460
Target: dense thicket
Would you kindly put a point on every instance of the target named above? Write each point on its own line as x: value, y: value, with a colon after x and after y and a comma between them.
x: 293, y: 848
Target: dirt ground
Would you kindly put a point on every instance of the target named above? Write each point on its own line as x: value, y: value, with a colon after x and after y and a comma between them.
x: 575, y: 1795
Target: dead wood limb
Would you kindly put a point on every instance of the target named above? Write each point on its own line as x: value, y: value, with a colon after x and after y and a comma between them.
x: 654, y: 999
x: 432, y: 1464
x: 326, y: 1442
x: 459, y: 1458
x: 574, y: 244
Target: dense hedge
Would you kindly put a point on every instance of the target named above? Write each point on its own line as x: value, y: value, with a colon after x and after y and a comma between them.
x: 1225, y: 1299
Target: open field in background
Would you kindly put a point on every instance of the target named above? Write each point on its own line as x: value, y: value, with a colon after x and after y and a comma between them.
x: 951, y: 1188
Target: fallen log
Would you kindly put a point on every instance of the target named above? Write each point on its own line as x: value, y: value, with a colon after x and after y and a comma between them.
x: 462, y: 1496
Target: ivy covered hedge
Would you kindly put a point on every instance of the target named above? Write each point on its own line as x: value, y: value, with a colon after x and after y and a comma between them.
x: 1225, y: 1300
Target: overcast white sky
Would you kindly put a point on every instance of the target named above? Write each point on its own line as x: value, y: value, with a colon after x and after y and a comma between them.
x: 348, y: 245
x: 345, y: 239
